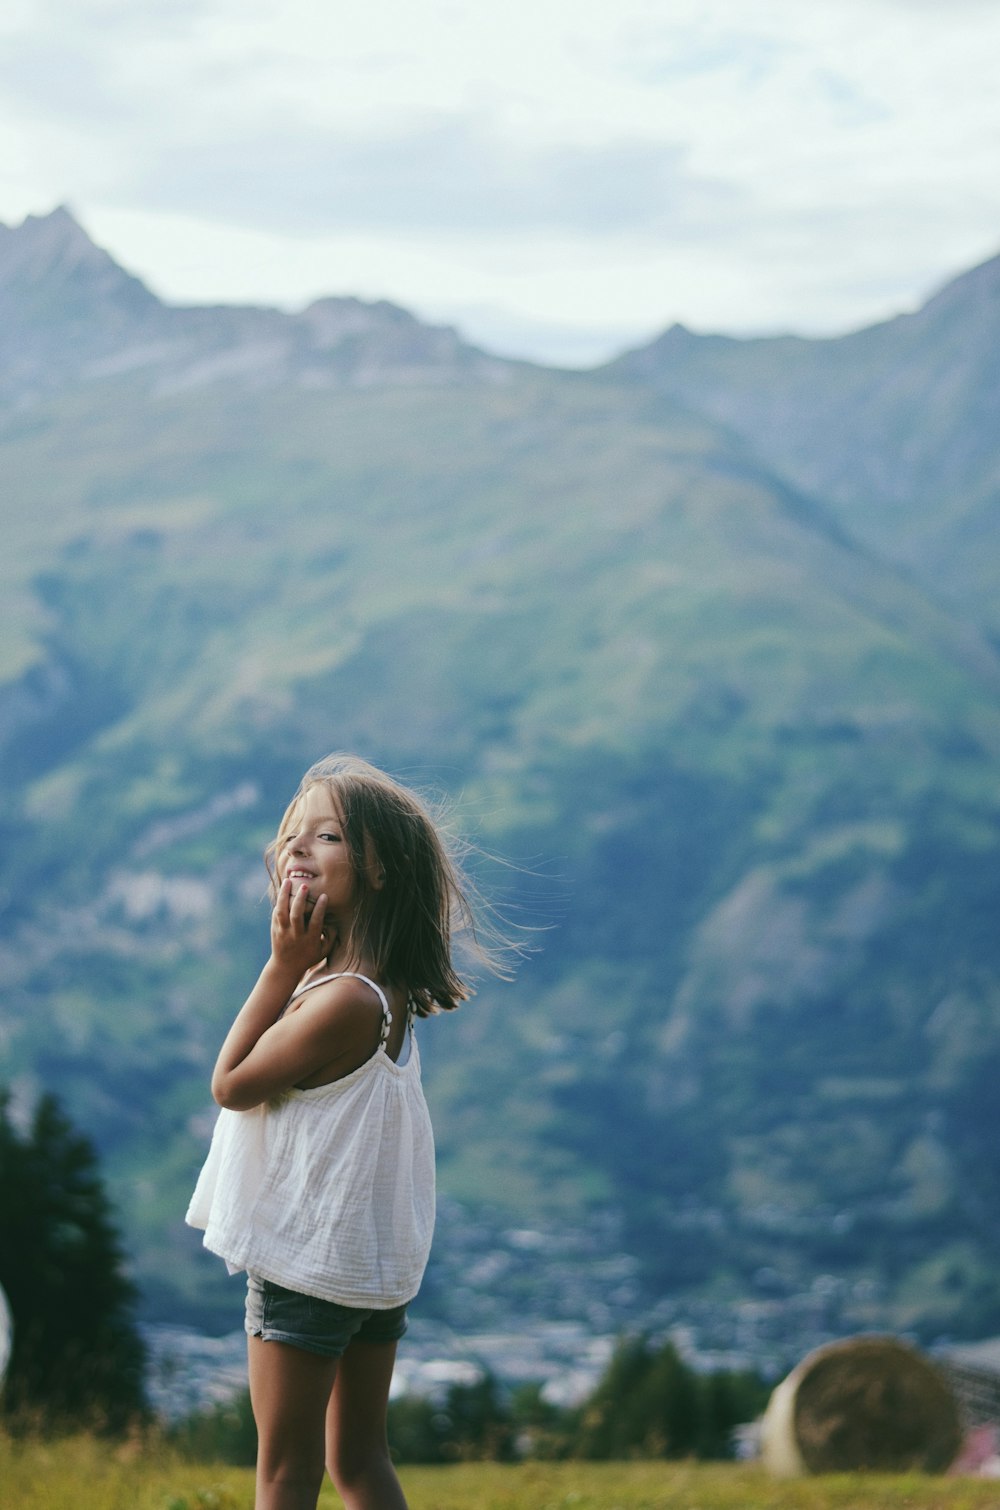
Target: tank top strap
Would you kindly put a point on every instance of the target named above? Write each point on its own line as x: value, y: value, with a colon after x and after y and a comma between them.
x: 322, y: 980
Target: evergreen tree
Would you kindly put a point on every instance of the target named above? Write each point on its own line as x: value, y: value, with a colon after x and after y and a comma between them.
x: 417, y: 1428
x: 77, y: 1357
x: 541, y: 1429
x: 479, y: 1425
x: 728, y: 1399
x: 471, y: 1424
x: 669, y: 1406
x: 650, y: 1403
x: 608, y: 1425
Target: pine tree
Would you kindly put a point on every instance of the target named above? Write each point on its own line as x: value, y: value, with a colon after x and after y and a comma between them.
x: 670, y: 1405
x: 608, y: 1427
x: 650, y: 1403
x: 77, y: 1357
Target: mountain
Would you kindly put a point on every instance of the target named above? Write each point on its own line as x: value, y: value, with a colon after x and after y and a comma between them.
x: 741, y: 763
x: 69, y: 314
x: 895, y: 426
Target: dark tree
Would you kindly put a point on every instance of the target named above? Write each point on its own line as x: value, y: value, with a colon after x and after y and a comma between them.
x: 471, y: 1424
x: 478, y: 1423
x: 77, y: 1358
x: 650, y: 1403
x: 611, y: 1424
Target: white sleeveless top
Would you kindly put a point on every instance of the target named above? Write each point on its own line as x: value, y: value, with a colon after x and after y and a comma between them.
x: 328, y: 1191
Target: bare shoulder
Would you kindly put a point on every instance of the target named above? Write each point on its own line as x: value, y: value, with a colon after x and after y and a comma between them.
x: 345, y: 997
x: 337, y: 1025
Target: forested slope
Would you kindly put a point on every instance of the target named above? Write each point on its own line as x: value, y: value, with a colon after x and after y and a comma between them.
x: 745, y: 765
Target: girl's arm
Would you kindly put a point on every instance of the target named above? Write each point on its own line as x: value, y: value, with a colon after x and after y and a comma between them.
x: 297, y: 943
x: 263, y: 1055
x: 331, y: 1030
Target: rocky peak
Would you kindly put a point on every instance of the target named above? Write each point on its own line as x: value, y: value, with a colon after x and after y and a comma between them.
x: 333, y: 319
x: 54, y: 238
x: 50, y: 269
x: 68, y: 312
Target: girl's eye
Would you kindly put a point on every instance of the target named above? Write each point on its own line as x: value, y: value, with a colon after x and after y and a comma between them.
x: 334, y: 837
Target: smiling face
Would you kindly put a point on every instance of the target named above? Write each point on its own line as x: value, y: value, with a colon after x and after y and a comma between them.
x: 373, y: 845
x: 313, y: 850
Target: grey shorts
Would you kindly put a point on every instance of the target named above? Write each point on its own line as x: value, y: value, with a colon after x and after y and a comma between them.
x: 318, y: 1326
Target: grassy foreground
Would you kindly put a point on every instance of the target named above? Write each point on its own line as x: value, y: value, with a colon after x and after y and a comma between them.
x: 81, y: 1474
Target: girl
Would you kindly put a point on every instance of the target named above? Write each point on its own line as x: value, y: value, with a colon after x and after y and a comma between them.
x: 320, y: 1178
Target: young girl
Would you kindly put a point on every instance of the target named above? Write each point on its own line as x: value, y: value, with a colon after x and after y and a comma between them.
x: 320, y: 1178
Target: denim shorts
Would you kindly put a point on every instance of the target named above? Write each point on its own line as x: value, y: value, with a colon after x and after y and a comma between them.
x: 318, y: 1326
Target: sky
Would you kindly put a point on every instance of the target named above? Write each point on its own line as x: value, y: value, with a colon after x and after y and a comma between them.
x: 560, y: 178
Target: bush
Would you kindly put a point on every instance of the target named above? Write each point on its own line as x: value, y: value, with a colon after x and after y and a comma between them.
x: 472, y: 1423
x: 221, y: 1434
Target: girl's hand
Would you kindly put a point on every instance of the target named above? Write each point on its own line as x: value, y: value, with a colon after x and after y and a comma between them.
x: 299, y: 938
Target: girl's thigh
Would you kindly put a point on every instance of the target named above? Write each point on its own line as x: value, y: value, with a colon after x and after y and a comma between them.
x: 356, y: 1418
x: 289, y: 1391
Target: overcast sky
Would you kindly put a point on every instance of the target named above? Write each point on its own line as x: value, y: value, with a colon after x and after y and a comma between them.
x: 559, y: 177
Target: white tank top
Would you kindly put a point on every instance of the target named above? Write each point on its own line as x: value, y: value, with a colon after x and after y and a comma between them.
x: 328, y: 1191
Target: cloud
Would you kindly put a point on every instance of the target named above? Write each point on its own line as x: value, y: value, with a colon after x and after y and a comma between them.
x: 90, y: 18
x: 441, y: 176
x: 43, y: 79
x: 616, y: 163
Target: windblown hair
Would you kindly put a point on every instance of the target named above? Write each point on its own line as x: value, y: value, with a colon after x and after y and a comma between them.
x: 404, y: 929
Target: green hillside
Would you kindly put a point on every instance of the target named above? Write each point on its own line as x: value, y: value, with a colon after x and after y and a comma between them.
x: 896, y: 426
x: 744, y: 767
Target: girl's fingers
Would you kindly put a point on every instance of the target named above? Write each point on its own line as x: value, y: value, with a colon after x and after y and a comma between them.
x: 299, y: 898
x: 282, y: 900
x: 296, y: 919
x: 317, y: 925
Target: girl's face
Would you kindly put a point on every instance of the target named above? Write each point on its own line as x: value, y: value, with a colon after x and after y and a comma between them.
x: 313, y: 851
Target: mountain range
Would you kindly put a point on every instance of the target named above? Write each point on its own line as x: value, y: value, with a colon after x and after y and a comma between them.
x: 703, y: 645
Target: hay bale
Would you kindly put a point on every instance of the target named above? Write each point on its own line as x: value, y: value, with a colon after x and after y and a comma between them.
x: 867, y: 1403
x: 6, y: 1334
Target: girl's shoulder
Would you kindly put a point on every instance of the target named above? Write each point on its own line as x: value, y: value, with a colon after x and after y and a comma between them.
x: 353, y: 1010
x: 351, y: 992
x: 341, y: 987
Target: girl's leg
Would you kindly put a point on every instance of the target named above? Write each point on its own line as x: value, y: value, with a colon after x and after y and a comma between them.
x: 289, y: 1392
x: 357, y: 1450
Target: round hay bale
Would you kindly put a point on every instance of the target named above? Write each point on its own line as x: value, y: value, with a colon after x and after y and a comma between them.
x: 6, y: 1334
x: 867, y: 1403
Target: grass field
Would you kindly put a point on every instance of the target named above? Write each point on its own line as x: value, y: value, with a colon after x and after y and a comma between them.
x: 85, y: 1475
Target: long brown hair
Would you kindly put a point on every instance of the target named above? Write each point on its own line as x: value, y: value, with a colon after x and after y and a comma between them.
x: 406, y: 926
